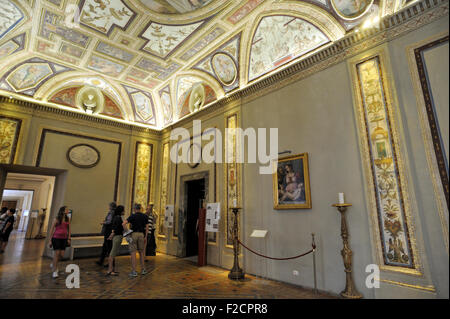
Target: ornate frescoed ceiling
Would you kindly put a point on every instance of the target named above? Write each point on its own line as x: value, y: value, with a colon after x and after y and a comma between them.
x: 154, y: 62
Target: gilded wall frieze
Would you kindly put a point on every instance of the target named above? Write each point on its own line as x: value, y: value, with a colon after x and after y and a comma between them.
x: 142, y: 175
x: 164, y: 190
x: 393, y: 233
x: 232, y: 178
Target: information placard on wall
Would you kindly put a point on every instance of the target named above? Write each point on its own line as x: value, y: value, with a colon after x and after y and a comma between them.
x: 212, y: 217
x: 169, y: 215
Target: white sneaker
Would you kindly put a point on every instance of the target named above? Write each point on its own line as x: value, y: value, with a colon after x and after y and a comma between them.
x: 55, y: 274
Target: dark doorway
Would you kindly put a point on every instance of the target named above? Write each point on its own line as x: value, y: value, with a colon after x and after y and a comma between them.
x: 195, y: 194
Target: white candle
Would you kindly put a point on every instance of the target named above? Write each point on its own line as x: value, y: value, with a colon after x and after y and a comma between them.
x: 234, y: 202
x: 341, y: 198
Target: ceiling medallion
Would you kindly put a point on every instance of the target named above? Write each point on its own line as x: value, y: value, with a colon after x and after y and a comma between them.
x: 225, y: 68
x: 197, y: 97
x: 351, y: 9
x: 90, y: 99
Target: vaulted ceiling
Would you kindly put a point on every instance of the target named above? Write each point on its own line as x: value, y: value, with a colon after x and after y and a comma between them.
x: 154, y: 62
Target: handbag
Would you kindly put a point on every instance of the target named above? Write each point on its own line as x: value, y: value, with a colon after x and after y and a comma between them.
x: 127, y: 236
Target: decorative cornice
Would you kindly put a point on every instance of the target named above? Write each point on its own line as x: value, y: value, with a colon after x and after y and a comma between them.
x: 35, y: 107
x: 390, y: 27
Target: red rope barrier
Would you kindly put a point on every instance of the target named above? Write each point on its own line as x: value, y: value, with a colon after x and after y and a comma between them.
x: 295, y: 257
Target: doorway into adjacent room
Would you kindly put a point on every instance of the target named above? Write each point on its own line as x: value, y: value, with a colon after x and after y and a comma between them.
x: 195, y: 195
x: 37, y: 193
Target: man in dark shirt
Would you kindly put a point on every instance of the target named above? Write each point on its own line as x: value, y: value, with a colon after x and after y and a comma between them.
x: 139, y: 226
x: 7, y: 229
x: 106, y: 231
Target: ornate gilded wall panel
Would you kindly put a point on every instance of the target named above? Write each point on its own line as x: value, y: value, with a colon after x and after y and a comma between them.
x: 164, y: 189
x: 232, y: 186
x: 9, y: 135
x: 142, y: 176
x: 384, y: 168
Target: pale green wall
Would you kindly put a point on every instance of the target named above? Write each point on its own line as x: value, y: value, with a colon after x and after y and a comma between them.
x: 436, y: 63
x: 429, y: 229
x: 89, y: 191
x: 314, y: 115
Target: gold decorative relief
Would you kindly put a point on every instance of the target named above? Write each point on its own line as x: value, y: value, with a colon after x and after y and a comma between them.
x: 384, y: 169
x: 142, y: 174
x: 9, y: 134
x: 164, y: 189
x: 232, y: 177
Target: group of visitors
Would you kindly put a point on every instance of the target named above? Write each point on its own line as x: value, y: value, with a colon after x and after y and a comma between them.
x: 140, y: 237
x: 6, y: 226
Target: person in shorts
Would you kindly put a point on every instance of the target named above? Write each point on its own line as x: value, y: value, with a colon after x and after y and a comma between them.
x: 116, y: 238
x: 7, y: 229
x: 139, y: 226
x: 60, y: 237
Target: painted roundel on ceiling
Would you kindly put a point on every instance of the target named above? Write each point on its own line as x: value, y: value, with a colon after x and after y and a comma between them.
x: 225, y: 68
x: 351, y: 9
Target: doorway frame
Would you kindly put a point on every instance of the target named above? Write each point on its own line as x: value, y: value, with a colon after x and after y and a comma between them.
x: 59, y: 188
x: 182, y: 207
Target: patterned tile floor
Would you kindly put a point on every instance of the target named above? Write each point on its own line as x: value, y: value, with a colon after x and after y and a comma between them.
x: 24, y: 274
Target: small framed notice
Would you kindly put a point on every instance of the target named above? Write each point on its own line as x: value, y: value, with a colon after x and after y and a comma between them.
x: 212, y: 217
x: 259, y: 233
x: 169, y: 216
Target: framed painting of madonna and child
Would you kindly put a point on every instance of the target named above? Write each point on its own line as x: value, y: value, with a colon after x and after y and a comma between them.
x: 291, y: 183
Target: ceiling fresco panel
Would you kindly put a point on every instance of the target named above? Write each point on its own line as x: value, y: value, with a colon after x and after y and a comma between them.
x: 155, y: 53
x: 203, y: 42
x: 244, y: 10
x: 351, y: 9
x: 280, y: 39
x: 53, y: 24
x: 104, y: 15
x: 105, y: 66
x: 163, y: 40
x: 143, y: 106
x: 50, y: 50
x: 114, y: 52
x: 12, y: 46
x: 166, y: 104
x: 28, y: 76
x: 175, y: 6
x: 163, y: 73
x: 10, y: 16
x: 65, y: 97
x: 223, y: 64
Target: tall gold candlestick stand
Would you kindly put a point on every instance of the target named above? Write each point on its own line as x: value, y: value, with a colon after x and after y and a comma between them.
x: 350, y: 290
x: 236, y: 272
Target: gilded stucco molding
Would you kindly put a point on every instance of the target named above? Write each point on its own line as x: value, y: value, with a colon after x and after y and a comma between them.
x: 59, y: 114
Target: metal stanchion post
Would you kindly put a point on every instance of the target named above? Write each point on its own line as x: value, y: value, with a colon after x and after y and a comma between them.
x: 236, y: 272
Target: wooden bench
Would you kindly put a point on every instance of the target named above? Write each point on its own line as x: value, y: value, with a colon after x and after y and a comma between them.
x: 90, y: 242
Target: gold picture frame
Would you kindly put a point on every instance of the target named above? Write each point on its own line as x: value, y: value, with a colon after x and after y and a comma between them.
x: 291, y: 187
